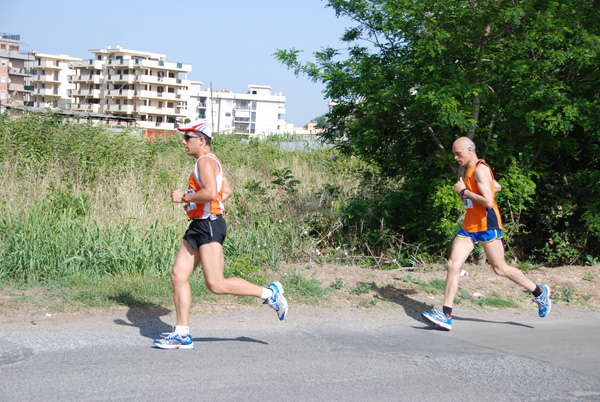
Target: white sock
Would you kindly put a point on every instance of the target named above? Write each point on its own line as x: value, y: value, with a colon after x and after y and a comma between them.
x: 182, y: 330
x: 267, y: 294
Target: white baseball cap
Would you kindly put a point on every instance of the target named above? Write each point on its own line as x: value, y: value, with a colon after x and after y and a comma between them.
x: 198, y: 126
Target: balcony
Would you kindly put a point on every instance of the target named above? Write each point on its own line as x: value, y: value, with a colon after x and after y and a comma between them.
x: 51, y: 64
x: 45, y: 92
x: 126, y: 63
x: 20, y: 72
x: 87, y: 64
x: 121, y: 93
x: 46, y: 78
x: 163, y: 65
x: 88, y: 93
x: 85, y: 107
x: 127, y: 109
x: 87, y: 78
x: 120, y: 78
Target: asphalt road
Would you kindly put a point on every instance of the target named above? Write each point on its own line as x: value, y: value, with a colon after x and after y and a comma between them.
x: 314, y: 355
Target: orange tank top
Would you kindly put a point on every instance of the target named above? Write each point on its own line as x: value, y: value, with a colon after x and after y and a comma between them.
x: 215, y: 207
x: 479, y: 218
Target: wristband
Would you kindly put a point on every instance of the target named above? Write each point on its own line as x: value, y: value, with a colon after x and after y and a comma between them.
x: 183, y: 198
x: 462, y: 192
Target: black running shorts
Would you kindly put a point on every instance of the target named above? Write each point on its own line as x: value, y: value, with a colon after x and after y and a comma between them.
x: 203, y: 231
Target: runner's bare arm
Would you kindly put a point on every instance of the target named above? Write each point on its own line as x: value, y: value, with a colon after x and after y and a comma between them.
x: 483, y: 177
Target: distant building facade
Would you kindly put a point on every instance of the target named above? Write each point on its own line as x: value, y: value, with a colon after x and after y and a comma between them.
x: 50, y: 80
x: 15, y: 73
x: 257, y: 112
x: 131, y: 83
x: 138, y: 85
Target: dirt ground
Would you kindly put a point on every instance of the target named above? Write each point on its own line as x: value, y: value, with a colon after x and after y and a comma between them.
x: 570, y: 285
x: 407, y: 289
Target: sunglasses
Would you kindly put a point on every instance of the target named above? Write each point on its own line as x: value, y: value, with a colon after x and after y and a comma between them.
x: 188, y: 136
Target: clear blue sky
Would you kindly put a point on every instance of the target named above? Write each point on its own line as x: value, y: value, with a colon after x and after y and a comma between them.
x: 228, y: 43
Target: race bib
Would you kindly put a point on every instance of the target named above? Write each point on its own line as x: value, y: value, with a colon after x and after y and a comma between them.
x: 190, y: 205
x: 468, y: 203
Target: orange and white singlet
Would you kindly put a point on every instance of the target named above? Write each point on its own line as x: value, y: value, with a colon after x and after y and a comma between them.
x: 215, y: 207
x: 479, y: 218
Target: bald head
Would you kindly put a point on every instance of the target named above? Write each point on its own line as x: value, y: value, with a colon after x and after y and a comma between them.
x: 464, y: 143
x: 464, y: 151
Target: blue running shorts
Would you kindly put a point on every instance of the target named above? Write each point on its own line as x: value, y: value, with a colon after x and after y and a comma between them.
x: 484, y: 237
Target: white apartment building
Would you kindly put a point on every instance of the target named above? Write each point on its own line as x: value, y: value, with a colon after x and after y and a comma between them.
x: 257, y: 112
x: 131, y: 83
x: 141, y: 85
x: 50, y: 80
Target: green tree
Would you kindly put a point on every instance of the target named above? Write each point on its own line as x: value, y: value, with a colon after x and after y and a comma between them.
x: 518, y: 77
x: 321, y: 121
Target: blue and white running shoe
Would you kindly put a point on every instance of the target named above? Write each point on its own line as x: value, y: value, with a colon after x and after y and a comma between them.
x: 438, y: 319
x: 174, y: 341
x: 277, y: 302
x: 543, y: 301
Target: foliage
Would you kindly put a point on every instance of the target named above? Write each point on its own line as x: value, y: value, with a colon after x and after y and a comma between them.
x: 496, y: 300
x: 361, y: 288
x: 519, y: 78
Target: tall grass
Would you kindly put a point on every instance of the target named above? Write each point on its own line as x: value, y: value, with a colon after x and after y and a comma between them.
x: 80, y: 201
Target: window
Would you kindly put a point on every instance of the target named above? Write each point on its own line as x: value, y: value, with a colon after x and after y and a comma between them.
x: 3, y: 62
x: 2, y: 95
x: 3, y: 78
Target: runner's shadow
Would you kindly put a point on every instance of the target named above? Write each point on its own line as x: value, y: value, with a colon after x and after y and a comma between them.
x: 238, y: 339
x: 143, y: 315
x: 518, y: 324
x: 412, y: 308
x: 147, y: 317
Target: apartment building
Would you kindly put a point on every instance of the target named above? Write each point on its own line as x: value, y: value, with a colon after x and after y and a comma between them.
x: 131, y: 83
x: 136, y: 85
x: 257, y: 112
x: 14, y: 71
x: 50, y: 80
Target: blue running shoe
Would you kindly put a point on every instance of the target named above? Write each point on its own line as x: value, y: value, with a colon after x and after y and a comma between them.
x: 543, y: 301
x: 277, y: 302
x: 437, y: 318
x: 175, y: 341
